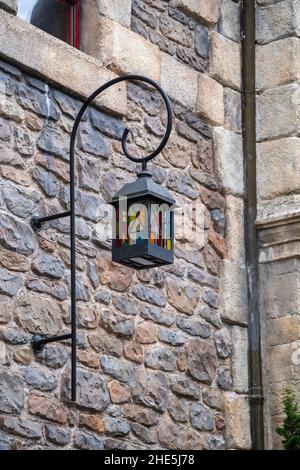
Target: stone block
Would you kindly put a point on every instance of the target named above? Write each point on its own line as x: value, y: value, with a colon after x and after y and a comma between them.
x: 240, y: 379
x: 277, y: 63
x: 232, y: 110
x: 201, y: 360
x: 125, y: 52
x: 9, y: 283
x: 225, y: 61
x: 11, y: 393
x: 278, y: 165
x: 175, y: 436
x: 179, y: 81
x: 228, y: 148
x: 118, y: 10
x: 205, y: 11
x: 47, y: 407
x: 151, y: 390
x: 234, y: 233
x: 178, y: 151
x: 286, y: 281
x: 22, y: 427
x: 210, y: 100
x: 37, y: 314
x: 161, y: 358
x: 280, y: 364
x: 237, y: 421
x: 230, y: 20
x: 277, y: 112
x: 283, y: 330
x: 277, y: 21
x: 233, y: 293
x: 183, y: 296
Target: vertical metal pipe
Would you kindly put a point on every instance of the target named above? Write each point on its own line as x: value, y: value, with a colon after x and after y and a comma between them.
x: 73, y: 270
x: 251, y: 239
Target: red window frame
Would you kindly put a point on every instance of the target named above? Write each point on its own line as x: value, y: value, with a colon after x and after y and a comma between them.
x: 72, y: 26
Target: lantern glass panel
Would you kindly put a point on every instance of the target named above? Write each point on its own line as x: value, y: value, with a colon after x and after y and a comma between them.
x: 143, y: 225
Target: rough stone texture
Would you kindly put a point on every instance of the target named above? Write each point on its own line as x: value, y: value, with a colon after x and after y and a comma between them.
x: 239, y: 359
x: 238, y: 424
x: 9, y: 283
x: 124, y: 51
x: 229, y: 23
x: 284, y: 66
x: 270, y: 156
x: 11, y: 393
x: 226, y: 71
x: 48, y: 265
x: 277, y: 21
x: 58, y: 435
x: 87, y: 441
x: 283, y: 101
x: 22, y: 427
x: 41, y: 378
x: 118, y: 10
x: 184, y: 297
x: 233, y: 293
x: 174, y: 436
x: 151, y: 389
x: 232, y: 110
x: 179, y: 81
x: 210, y: 101
x: 206, y: 10
x: 92, y: 390
x: 47, y: 407
x: 117, y: 368
x: 223, y: 342
x: 229, y: 160
x: 201, y: 418
x: 10, y: 5
x: 16, y: 236
x: 201, y: 360
x: 39, y: 315
x: 234, y: 233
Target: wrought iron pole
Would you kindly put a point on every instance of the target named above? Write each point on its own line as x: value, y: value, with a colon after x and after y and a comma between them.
x: 39, y: 342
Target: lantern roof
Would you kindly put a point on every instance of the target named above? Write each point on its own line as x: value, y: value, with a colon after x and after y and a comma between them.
x: 143, y: 186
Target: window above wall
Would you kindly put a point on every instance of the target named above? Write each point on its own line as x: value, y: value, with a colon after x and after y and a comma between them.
x: 60, y: 18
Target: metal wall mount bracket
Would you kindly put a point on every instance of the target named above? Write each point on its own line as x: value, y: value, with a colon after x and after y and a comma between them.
x: 39, y: 342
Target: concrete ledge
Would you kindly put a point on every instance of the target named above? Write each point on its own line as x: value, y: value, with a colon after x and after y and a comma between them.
x: 57, y: 63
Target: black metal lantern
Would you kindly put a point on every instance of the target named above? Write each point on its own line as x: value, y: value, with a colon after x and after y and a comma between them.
x: 143, y: 234
x: 143, y: 224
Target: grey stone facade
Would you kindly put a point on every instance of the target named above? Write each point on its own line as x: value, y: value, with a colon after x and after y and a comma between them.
x: 162, y: 354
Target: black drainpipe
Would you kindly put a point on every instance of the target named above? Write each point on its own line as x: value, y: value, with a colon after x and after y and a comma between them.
x: 251, y: 239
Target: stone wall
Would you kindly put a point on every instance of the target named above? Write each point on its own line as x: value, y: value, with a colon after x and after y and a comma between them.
x: 162, y: 354
x: 278, y: 202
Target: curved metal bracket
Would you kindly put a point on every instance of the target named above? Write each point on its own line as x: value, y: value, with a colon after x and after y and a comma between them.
x: 38, y: 342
